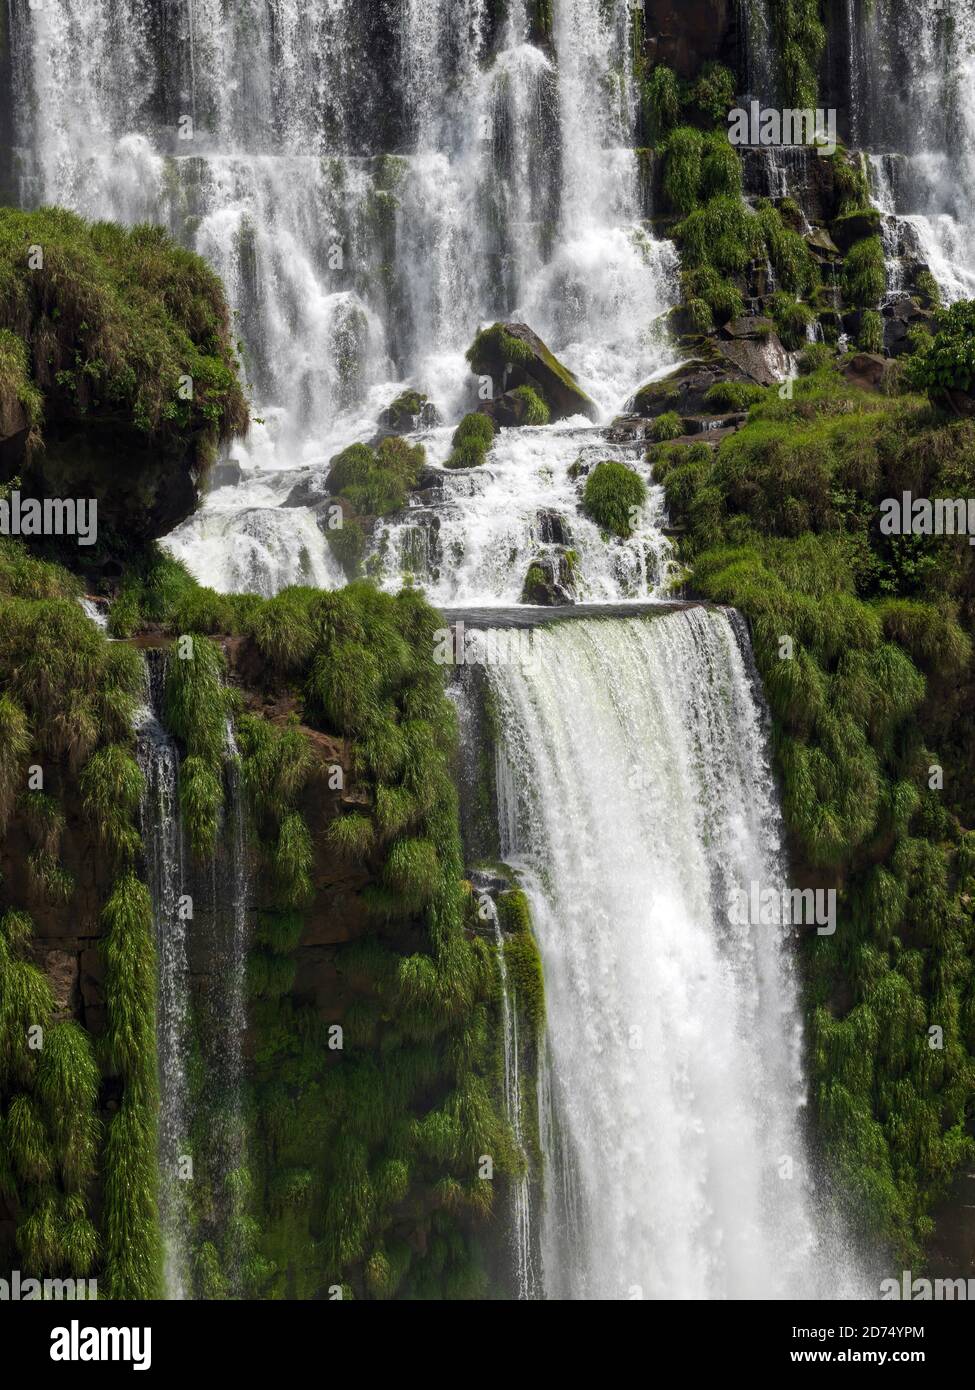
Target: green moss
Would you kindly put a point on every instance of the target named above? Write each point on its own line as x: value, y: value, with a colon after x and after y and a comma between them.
x: 126, y: 315
x: 376, y: 481
x: 536, y: 411
x: 612, y: 493
x: 471, y: 441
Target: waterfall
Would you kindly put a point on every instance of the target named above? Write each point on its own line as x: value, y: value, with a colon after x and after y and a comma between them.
x: 475, y: 533
x: 636, y: 796
x: 926, y: 51
x: 372, y: 185
x: 162, y: 835
x: 522, y: 1231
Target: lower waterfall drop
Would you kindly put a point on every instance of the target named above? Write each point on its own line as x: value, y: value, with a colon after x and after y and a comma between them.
x: 635, y: 797
x: 162, y: 833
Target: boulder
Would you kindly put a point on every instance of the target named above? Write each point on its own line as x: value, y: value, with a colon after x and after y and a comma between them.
x: 749, y: 326
x: 410, y: 411
x: 549, y: 582
x: 900, y: 318
x: 512, y: 356
x: 854, y: 226
x: 866, y: 370
x: 762, y: 360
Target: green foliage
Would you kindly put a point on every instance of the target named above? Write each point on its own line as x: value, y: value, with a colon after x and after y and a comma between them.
x: 683, y: 157
x: 792, y: 318
x: 612, y: 493
x: 132, y: 1248
x: 733, y: 395
x: 723, y: 298
x: 471, y: 441
x: 800, y: 42
x: 124, y: 314
x: 782, y: 523
x: 871, y: 336
x: 948, y: 363
x: 536, y: 410
x: 375, y: 482
x: 865, y: 273
x: 666, y: 426
x: 929, y: 290
x: 196, y: 710
x: 662, y: 99
x: 111, y: 788
x: 346, y: 1136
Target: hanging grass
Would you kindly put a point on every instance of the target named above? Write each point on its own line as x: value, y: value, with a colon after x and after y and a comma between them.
x: 782, y: 523
x: 111, y: 789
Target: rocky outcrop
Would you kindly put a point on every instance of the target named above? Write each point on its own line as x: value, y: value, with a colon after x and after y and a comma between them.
x: 685, y: 37
x: 512, y: 355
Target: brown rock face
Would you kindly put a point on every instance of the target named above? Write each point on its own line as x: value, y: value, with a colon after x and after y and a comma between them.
x: 686, y: 36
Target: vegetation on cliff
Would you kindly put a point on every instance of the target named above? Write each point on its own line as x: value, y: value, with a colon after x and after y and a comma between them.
x: 864, y: 644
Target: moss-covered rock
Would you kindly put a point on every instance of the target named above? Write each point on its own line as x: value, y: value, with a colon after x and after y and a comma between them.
x: 513, y: 356
x: 118, y: 373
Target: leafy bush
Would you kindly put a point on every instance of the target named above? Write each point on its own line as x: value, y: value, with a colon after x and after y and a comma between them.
x: 611, y: 495
x: 948, y: 363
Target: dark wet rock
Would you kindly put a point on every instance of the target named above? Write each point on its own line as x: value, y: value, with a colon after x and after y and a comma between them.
x: 764, y: 361
x: 551, y: 529
x: 409, y: 412
x: 866, y: 370
x: 512, y: 355
x: 549, y: 581
x: 749, y: 326
x: 227, y: 473
x: 900, y: 318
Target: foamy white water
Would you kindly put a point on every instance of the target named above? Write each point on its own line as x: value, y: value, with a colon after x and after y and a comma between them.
x: 636, y: 794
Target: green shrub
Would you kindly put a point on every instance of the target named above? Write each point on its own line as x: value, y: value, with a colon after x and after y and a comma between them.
x: 471, y: 440
x: 865, y: 273
x: 792, y: 319
x: 871, y: 336
x: 949, y: 362
x: 612, y: 494
x: 666, y: 426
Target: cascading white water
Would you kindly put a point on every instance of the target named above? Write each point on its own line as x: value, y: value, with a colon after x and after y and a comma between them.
x: 255, y: 133
x: 636, y: 797
x: 474, y: 541
x: 913, y: 93
x: 162, y: 837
